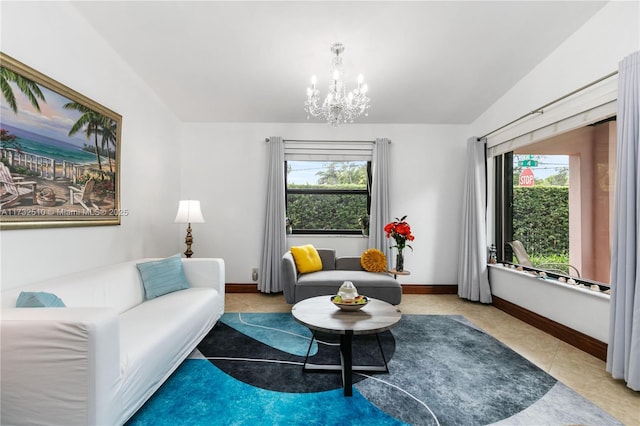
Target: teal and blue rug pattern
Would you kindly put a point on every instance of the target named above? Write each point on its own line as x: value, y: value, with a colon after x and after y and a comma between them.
x: 442, y: 371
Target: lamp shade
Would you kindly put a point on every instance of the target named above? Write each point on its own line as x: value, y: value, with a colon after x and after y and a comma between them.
x: 189, y: 212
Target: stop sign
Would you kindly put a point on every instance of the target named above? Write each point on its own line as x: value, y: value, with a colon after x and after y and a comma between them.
x: 526, y: 177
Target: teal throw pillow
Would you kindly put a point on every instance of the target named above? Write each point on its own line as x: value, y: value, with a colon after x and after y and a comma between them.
x: 38, y: 299
x: 164, y: 276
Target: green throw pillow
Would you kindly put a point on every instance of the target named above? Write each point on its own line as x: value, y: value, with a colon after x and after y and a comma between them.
x: 164, y: 276
x: 38, y: 299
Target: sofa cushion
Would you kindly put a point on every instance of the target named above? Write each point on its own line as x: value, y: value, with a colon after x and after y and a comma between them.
x: 373, y: 260
x: 328, y: 258
x: 307, y: 258
x: 162, y: 276
x: 337, y: 277
x: 38, y: 299
x: 154, y: 334
x: 376, y: 285
x: 117, y: 286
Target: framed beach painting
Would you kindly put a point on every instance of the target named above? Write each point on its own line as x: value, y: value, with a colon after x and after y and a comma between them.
x: 59, y: 154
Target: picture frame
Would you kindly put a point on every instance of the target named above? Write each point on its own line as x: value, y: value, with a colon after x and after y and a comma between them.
x: 59, y: 154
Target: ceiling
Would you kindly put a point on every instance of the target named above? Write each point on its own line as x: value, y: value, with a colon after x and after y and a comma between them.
x: 424, y: 61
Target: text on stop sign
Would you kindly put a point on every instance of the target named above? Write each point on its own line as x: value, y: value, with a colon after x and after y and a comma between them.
x: 526, y: 178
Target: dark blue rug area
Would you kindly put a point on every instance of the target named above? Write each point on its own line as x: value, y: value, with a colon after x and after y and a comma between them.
x: 442, y: 370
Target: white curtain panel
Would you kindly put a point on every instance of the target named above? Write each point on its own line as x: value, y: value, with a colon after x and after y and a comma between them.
x: 473, y: 275
x: 274, y: 236
x: 379, y: 214
x: 623, y: 354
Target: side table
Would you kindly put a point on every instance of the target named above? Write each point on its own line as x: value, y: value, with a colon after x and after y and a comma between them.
x: 395, y: 273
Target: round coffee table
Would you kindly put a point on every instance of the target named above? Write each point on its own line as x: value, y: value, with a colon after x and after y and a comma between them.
x: 320, y: 314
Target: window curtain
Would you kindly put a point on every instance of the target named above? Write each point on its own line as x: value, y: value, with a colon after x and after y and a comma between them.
x: 623, y: 353
x: 274, y: 237
x: 379, y: 213
x: 473, y: 275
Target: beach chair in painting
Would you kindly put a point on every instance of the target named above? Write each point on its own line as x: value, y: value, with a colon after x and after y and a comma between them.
x: 13, y: 189
x: 83, y: 196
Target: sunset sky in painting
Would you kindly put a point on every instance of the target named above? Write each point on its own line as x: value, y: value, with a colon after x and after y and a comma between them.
x: 53, y: 120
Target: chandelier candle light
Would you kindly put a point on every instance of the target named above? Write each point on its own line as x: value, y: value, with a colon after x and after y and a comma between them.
x: 338, y: 106
x: 401, y: 232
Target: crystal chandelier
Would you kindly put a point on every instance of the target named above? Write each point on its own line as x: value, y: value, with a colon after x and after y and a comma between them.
x: 338, y: 106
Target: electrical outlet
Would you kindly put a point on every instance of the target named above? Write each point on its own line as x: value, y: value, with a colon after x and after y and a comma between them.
x: 254, y: 274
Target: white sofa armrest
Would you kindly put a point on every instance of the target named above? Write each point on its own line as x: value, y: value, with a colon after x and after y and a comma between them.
x: 60, y: 366
x: 205, y: 272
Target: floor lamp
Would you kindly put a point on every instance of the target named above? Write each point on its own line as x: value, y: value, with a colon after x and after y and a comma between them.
x: 189, y: 212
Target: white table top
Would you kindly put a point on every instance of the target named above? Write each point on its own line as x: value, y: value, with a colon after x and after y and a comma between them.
x: 319, y: 313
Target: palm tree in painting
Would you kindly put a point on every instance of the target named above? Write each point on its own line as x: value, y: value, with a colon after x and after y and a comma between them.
x: 108, y: 132
x: 26, y: 86
x: 92, y: 123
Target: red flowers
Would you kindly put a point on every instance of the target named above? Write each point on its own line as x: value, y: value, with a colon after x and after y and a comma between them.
x: 400, y: 231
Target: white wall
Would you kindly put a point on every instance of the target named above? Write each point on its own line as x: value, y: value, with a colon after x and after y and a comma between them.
x: 223, y: 165
x: 52, y: 38
x: 226, y: 164
x: 226, y: 170
x: 581, y: 309
x: 587, y: 55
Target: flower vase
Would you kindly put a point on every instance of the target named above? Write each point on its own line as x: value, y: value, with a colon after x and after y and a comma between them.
x: 399, y: 261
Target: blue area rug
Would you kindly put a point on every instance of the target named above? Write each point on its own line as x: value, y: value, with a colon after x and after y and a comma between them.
x: 442, y: 371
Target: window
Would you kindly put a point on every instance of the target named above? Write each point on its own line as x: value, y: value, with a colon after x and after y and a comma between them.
x: 556, y: 196
x: 327, y: 197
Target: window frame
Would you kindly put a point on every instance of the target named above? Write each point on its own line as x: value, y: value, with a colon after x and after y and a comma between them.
x: 503, y: 220
x: 503, y: 204
x: 315, y: 191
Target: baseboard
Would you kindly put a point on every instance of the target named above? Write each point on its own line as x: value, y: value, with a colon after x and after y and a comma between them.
x: 575, y: 338
x: 406, y: 288
x: 241, y: 288
x: 429, y: 289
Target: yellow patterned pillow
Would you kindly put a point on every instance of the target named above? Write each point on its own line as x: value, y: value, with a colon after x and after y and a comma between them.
x: 373, y: 260
x: 307, y: 258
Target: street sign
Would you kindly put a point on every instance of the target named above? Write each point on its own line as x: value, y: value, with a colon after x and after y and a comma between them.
x: 527, y: 178
x: 528, y: 163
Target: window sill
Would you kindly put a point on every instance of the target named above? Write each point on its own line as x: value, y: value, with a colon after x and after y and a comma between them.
x: 307, y: 236
x: 578, y: 308
x: 566, y: 281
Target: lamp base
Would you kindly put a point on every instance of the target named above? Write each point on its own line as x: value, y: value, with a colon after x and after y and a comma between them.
x: 188, y: 240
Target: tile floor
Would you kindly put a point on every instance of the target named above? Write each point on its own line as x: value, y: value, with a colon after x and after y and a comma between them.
x: 575, y: 368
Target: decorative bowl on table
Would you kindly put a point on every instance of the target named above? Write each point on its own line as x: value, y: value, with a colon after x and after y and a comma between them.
x: 351, y: 304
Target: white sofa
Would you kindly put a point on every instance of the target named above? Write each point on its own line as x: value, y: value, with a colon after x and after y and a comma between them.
x: 97, y: 360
